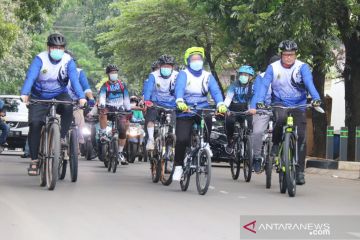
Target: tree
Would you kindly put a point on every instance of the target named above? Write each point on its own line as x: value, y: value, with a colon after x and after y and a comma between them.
x: 146, y: 29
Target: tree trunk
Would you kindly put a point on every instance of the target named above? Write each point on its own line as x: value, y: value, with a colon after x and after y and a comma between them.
x: 319, y: 120
x: 352, y: 90
x: 212, y: 67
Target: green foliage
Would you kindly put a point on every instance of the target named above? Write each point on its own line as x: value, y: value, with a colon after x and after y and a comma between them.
x: 147, y: 29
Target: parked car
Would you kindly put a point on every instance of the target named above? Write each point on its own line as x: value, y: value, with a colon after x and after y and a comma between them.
x: 17, y: 119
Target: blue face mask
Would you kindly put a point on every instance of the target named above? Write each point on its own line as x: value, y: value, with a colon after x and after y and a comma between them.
x: 57, y: 54
x: 196, y: 65
x: 113, y: 77
x: 244, y: 79
x: 166, y: 72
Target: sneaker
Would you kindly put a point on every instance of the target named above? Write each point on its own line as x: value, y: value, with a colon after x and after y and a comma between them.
x: 257, y: 165
x: 177, y: 173
x: 300, y: 178
x: 104, y: 138
x: 150, y: 145
x: 274, y: 150
x: 122, y: 159
x: 25, y: 155
x: 63, y: 142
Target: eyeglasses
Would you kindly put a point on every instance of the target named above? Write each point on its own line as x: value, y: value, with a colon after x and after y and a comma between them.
x: 288, y: 55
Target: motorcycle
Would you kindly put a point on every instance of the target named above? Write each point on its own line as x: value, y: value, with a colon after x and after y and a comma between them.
x: 89, y: 149
x: 135, y: 144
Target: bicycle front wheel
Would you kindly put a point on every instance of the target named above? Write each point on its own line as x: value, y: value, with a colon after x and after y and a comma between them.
x: 52, y: 163
x: 289, y: 154
x: 235, y: 162
x: 73, y: 154
x: 167, y: 161
x: 268, y: 164
x: 203, y: 171
x: 42, y: 159
x: 248, y: 158
x: 114, y: 154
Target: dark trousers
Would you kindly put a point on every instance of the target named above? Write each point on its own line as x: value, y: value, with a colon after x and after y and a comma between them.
x: 230, y: 125
x: 5, y: 129
x: 184, y: 126
x: 300, y: 122
x: 37, y: 118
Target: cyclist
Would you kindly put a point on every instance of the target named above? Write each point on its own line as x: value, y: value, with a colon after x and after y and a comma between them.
x: 290, y: 81
x: 137, y: 115
x: 158, y: 89
x: 79, y: 113
x: 114, y: 96
x: 192, y: 86
x: 260, y: 122
x: 237, y: 99
x: 47, y: 78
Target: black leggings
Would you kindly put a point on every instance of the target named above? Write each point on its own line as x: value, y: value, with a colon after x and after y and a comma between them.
x: 230, y: 125
x: 184, y: 126
x: 37, y: 118
x: 300, y: 122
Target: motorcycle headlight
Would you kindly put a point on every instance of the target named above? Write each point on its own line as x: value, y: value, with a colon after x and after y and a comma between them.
x: 133, y: 132
x: 86, y: 131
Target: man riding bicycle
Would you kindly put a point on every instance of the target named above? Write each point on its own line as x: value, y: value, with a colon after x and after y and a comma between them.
x: 158, y: 89
x: 192, y: 87
x: 290, y: 81
x: 47, y: 78
x: 114, y: 96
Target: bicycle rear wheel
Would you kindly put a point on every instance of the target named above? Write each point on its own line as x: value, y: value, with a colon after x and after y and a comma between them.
x: 235, y: 162
x: 248, y: 158
x: 289, y: 159
x: 62, y: 169
x: 73, y: 155
x: 282, y: 177
x: 268, y: 164
x: 203, y: 171
x: 52, y: 163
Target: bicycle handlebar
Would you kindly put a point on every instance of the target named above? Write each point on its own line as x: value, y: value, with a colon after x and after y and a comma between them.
x: 319, y: 109
x: 51, y: 101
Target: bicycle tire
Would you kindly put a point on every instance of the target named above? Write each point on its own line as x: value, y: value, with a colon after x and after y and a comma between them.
x: 155, y: 169
x: 235, y: 162
x: 203, y: 166
x: 166, y: 178
x: 62, y: 169
x: 42, y: 159
x: 282, y: 177
x: 54, y: 156
x: 73, y: 155
x: 290, y: 171
x: 184, y: 183
x: 268, y: 165
x: 248, y: 158
x: 115, y: 154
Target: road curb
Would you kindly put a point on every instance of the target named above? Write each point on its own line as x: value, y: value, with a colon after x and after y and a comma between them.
x: 322, y: 163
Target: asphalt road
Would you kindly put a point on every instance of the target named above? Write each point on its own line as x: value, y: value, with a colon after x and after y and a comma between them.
x: 127, y: 205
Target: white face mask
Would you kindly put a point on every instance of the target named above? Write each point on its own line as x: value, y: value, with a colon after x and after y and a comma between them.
x: 113, y: 77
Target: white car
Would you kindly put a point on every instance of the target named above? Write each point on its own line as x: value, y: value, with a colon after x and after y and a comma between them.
x: 17, y: 119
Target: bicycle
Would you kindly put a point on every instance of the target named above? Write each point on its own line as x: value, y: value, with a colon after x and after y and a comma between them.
x: 162, y: 158
x: 70, y: 154
x: 50, y: 147
x: 109, y: 149
x: 243, y: 152
x: 267, y: 164
x: 287, y: 158
x: 198, y: 155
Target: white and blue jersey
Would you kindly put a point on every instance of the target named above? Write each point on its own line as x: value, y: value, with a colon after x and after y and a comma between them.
x: 258, y: 85
x: 114, y: 94
x: 47, y: 79
x: 83, y: 82
x: 289, y: 85
x: 194, y: 89
x: 160, y: 90
x: 238, y: 93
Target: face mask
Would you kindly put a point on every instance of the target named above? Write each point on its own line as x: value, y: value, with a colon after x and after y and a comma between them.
x: 56, y: 54
x: 243, y: 79
x: 133, y: 104
x: 165, y: 71
x: 113, y: 77
x: 196, y: 65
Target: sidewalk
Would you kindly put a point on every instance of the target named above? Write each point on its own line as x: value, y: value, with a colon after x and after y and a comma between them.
x: 335, y: 173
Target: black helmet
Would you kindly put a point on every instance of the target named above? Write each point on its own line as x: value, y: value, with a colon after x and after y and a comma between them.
x: 56, y: 39
x: 274, y: 59
x: 166, y: 59
x: 288, y: 45
x: 154, y: 65
x: 111, y: 68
